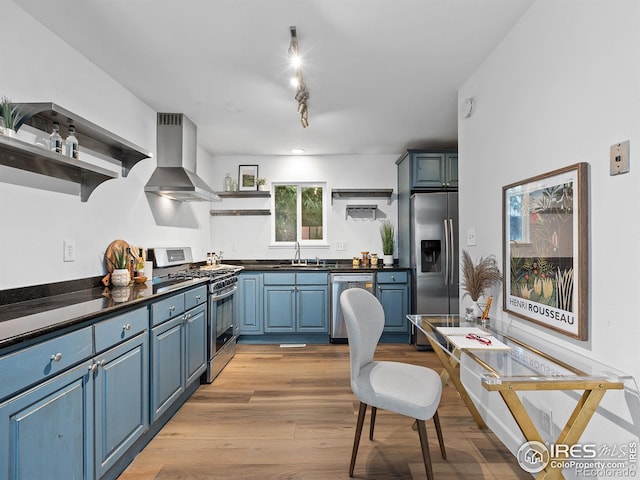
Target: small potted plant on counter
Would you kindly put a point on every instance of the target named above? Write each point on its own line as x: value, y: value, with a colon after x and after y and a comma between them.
x: 118, y: 258
x: 478, y: 278
x: 386, y: 235
x: 262, y: 184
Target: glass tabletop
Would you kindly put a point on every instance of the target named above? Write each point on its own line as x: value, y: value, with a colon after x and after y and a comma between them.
x: 524, y: 357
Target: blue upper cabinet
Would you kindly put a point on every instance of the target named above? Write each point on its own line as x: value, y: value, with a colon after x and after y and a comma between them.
x: 434, y: 170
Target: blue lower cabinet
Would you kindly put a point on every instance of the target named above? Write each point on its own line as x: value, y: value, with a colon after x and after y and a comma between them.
x: 249, y: 304
x: 312, y: 303
x: 279, y: 309
x: 178, y: 357
x: 195, y: 336
x: 393, y: 292
x: 121, y: 380
x: 167, y: 371
x: 47, y: 431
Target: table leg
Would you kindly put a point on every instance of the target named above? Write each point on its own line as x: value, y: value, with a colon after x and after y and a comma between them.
x: 451, y: 372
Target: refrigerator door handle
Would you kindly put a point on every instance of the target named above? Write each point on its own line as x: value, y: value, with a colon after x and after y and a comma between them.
x: 447, y: 248
x: 450, y: 252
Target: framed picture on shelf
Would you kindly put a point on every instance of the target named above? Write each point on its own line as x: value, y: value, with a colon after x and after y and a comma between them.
x: 247, y: 177
x: 545, y: 245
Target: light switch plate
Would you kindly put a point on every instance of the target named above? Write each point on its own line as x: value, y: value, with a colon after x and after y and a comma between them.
x: 619, y: 158
x: 471, y: 236
x: 69, y: 253
x: 341, y: 246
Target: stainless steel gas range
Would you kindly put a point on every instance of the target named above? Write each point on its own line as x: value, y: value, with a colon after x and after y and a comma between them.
x: 222, y: 331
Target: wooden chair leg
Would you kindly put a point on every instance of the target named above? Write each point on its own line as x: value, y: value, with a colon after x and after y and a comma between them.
x: 436, y: 421
x: 356, y: 441
x: 374, y: 410
x: 424, y: 443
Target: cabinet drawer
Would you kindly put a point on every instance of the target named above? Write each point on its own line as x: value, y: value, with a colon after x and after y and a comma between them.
x: 392, y: 277
x: 279, y: 278
x: 312, y: 278
x: 117, y: 329
x: 30, y: 365
x: 195, y: 297
x: 165, y: 309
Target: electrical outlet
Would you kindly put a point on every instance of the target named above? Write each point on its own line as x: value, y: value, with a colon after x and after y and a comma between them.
x: 69, y: 251
x: 341, y: 246
x: 619, y: 158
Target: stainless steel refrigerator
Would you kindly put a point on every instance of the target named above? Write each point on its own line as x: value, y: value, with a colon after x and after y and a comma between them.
x: 434, y: 258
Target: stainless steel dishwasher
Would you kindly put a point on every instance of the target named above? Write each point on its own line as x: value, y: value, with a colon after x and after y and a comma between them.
x: 339, y: 283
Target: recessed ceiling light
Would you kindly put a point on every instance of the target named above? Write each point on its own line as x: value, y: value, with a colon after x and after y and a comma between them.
x: 298, y: 151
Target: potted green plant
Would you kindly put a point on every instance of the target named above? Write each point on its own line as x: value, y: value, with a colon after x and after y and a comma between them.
x: 262, y: 184
x: 477, y: 278
x: 386, y: 235
x: 12, y: 116
x: 118, y: 258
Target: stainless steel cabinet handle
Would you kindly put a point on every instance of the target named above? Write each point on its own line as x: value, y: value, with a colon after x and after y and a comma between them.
x: 93, y: 367
x: 127, y: 327
x: 393, y: 278
x: 56, y: 357
x: 172, y: 308
x: 198, y: 297
x: 103, y: 362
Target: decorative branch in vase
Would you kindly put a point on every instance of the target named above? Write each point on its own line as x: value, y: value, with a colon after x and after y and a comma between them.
x: 478, y: 278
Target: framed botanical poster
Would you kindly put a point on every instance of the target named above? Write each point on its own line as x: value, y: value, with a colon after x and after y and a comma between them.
x: 247, y: 177
x: 545, y: 236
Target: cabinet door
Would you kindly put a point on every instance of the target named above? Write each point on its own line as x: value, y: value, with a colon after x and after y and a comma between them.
x: 195, y: 335
x: 167, y: 377
x: 428, y: 170
x: 395, y: 302
x: 451, y: 160
x: 47, y: 432
x: 312, y: 309
x: 249, y: 304
x: 121, y: 399
x: 279, y: 308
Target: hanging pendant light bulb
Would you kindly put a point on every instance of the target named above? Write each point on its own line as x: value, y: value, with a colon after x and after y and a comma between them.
x: 297, y: 81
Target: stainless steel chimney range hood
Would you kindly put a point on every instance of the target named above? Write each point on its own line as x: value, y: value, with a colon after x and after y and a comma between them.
x: 175, y: 176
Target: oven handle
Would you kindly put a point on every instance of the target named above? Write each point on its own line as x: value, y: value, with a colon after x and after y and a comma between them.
x: 226, y: 294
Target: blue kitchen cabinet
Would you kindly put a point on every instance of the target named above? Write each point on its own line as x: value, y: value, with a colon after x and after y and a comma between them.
x: 434, y: 170
x: 279, y: 308
x: 392, y: 289
x: 46, y: 409
x: 312, y: 303
x: 47, y: 431
x: 195, y: 343
x: 249, y: 304
x: 296, y: 302
x: 121, y: 380
x: 178, y: 348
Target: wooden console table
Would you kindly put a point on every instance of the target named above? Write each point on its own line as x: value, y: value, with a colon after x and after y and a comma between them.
x: 522, y: 367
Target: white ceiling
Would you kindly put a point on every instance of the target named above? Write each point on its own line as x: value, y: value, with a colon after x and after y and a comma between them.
x: 382, y: 74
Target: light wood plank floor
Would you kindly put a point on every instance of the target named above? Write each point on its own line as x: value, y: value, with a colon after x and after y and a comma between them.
x: 289, y: 413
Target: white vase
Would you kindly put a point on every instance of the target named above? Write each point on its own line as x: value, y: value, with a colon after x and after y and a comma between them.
x: 120, y: 277
x: 387, y: 260
x: 9, y: 132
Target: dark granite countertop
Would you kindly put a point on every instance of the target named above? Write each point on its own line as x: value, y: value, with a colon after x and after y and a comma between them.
x: 332, y: 266
x: 31, y: 312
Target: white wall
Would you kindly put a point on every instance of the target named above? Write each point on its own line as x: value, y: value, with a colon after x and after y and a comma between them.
x: 561, y: 88
x: 249, y: 237
x: 40, y: 67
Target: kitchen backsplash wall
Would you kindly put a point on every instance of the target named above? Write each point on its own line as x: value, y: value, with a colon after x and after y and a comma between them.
x: 249, y: 237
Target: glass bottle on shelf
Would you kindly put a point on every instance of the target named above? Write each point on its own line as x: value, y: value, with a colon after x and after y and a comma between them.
x: 55, y: 140
x: 71, y: 143
x: 227, y: 183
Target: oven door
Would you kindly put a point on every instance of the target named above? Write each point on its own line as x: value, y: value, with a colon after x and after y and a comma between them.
x: 221, y: 318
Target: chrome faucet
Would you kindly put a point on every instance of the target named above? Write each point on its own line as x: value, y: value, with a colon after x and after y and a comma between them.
x: 296, y: 257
